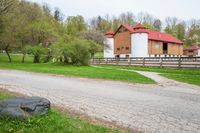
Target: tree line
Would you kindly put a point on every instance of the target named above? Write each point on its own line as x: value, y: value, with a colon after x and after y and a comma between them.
x: 186, y: 31
x: 30, y: 28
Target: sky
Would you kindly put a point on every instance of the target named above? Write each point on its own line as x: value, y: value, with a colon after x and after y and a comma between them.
x: 183, y: 9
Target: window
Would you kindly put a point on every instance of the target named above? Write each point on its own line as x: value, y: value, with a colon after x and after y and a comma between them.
x: 127, y: 56
x: 156, y: 45
x: 127, y: 48
x: 118, y: 49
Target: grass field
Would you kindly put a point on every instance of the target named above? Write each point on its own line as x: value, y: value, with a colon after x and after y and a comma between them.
x: 99, y: 55
x: 69, y: 70
x: 191, y: 76
x: 53, y: 122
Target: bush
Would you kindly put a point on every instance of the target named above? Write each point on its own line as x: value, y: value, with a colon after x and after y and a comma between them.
x: 37, y: 51
x: 75, y: 51
x: 78, y: 52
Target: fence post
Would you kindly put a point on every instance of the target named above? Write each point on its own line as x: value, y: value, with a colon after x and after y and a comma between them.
x: 117, y: 61
x: 143, y: 62
x: 129, y: 61
x: 179, y: 62
x: 161, y: 62
x: 106, y: 60
x: 99, y: 61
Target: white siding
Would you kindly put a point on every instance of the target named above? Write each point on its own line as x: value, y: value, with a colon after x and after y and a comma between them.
x: 198, y: 53
x: 109, y: 51
x: 139, y: 45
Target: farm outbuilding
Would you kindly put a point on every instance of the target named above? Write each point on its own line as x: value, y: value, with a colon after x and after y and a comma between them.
x: 192, y: 51
x: 138, y: 41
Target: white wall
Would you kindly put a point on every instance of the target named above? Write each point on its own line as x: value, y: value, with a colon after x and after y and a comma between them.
x: 139, y: 45
x: 198, y: 53
x: 109, y: 51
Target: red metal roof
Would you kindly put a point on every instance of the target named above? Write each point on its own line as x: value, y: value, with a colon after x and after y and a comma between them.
x: 139, y: 26
x: 109, y: 34
x: 160, y: 36
x: 193, y: 47
x: 128, y: 27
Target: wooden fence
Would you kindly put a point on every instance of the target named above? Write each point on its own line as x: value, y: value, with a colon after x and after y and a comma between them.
x: 174, y: 62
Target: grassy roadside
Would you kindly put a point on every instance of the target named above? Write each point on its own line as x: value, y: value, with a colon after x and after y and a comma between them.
x: 69, y: 70
x: 54, y: 122
x: 191, y: 76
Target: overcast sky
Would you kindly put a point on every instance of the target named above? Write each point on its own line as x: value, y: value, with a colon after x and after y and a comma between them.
x: 183, y: 9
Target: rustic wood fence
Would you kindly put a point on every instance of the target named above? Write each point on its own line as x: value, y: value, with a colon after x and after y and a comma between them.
x: 173, y: 62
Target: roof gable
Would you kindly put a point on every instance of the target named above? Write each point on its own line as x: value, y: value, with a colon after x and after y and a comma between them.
x: 129, y: 28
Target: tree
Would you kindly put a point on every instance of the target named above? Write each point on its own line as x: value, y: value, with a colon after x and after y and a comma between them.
x: 58, y: 15
x: 193, y: 33
x: 96, y: 36
x: 180, y: 31
x: 127, y: 18
x: 171, y: 23
x: 8, y: 38
x: 157, y: 25
x: 6, y: 6
x: 75, y: 24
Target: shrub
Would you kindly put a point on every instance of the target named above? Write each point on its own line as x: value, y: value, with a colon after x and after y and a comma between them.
x: 37, y: 51
x: 78, y: 52
x: 93, y: 47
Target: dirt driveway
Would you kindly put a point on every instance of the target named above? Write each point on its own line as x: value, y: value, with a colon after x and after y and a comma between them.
x: 166, y: 107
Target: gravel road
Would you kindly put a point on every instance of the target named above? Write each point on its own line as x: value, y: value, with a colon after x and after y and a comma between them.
x: 168, y: 106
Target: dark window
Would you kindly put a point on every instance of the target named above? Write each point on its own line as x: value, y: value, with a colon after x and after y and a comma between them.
x: 118, y: 49
x: 127, y: 56
x: 127, y: 48
x: 165, y: 48
x: 117, y: 56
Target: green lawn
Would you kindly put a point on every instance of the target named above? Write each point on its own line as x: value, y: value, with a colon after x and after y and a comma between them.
x: 99, y: 55
x: 191, y: 76
x: 53, y: 122
x: 69, y: 70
